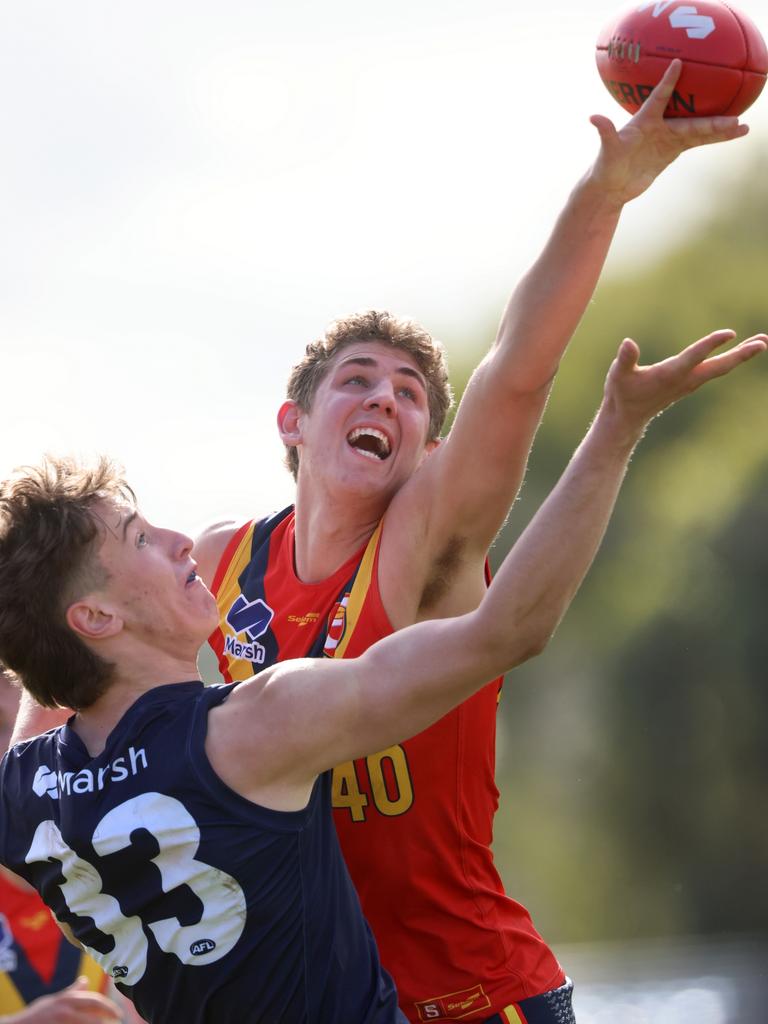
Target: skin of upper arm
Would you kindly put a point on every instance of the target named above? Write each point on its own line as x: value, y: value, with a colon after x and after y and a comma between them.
x: 278, y: 731
x: 32, y: 720
x: 487, y: 451
x: 441, y: 523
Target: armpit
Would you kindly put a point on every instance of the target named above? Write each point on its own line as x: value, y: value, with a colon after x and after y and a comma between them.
x: 444, y: 571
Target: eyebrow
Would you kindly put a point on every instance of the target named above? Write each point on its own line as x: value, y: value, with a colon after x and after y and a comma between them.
x: 127, y: 522
x: 408, y: 371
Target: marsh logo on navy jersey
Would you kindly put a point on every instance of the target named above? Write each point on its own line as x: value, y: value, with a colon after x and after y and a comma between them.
x: 251, y: 618
x: 48, y: 782
x: 45, y: 782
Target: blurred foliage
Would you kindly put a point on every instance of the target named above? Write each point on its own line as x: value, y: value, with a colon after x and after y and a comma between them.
x: 633, y: 763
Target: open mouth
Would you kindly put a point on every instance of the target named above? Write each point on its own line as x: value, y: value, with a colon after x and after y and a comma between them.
x: 370, y: 442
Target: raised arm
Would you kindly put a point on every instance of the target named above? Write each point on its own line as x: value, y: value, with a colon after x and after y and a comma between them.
x: 278, y: 731
x: 503, y: 403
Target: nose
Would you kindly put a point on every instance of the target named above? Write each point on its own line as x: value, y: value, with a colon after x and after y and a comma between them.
x: 180, y: 544
x: 381, y: 397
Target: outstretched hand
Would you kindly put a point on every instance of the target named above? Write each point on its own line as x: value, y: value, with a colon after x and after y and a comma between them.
x: 631, y: 158
x: 638, y: 393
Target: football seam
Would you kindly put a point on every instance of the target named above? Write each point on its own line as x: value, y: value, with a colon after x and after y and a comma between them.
x: 686, y: 60
x: 744, y: 36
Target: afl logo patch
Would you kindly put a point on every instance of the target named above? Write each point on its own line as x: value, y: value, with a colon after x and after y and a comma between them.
x: 202, y: 946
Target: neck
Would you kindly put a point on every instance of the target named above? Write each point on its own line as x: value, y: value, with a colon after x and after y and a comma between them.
x: 331, y: 528
x: 131, y: 680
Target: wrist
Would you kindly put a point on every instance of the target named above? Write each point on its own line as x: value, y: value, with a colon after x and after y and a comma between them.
x: 617, y: 429
x: 596, y: 192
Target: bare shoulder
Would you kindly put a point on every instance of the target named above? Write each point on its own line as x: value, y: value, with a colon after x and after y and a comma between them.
x: 32, y: 719
x: 254, y: 741
x: 210, y: 545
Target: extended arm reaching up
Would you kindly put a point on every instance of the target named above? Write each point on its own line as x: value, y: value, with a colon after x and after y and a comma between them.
x: 503, y: 403
x: 308, y: 716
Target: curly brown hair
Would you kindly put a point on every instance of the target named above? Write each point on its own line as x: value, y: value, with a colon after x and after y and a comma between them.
x: 401, y: 333
x: 47, y: 560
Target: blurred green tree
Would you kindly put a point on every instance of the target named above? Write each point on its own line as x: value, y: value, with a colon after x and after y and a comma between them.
x: 632, y: 760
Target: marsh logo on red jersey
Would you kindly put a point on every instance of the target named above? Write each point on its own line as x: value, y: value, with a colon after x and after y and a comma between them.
x: 337, y: 626
x: 253, y: 619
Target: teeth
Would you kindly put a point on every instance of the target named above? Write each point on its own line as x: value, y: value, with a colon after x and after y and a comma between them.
x: 382, y: 448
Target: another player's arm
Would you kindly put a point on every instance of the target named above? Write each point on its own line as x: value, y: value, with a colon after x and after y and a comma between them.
x: 488, y: 445
x: 279, y: 730
x: 32, y: 719
x: 210, y: 545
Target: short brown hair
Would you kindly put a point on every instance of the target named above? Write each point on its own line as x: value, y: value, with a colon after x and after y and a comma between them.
x: 383, y: 327
x: 47, y: 560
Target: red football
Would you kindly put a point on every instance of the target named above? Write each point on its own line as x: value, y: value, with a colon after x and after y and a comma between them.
x: 725, y: 59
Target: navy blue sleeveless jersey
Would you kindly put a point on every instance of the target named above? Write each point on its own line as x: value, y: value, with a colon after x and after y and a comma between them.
x: 203, y: 906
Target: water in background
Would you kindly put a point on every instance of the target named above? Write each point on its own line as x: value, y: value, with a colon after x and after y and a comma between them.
x: 670, y: 983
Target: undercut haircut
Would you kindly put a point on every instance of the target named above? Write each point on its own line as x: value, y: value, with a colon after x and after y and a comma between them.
x: 383, y: 327
x: 49, y: 534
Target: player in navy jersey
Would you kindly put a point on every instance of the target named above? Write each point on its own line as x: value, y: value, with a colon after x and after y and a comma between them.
x: 183, y: 834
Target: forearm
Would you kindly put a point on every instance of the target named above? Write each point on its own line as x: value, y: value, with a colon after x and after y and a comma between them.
x: 432, y: 666
x: 541, y: 575
x: 549, y: 301
x: 503, y: 404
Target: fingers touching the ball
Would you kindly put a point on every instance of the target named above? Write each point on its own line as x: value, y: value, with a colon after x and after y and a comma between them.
x: 662, y: 93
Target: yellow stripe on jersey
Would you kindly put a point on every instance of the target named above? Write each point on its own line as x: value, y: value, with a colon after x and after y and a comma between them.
x: 97, y: 979
x: 512, y: 1014
x: 229, y: 589
x: 10, y: 1000
x: 359, y: 591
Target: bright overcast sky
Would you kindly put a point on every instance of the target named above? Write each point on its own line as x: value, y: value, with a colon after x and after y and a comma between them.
x: 191, y: 191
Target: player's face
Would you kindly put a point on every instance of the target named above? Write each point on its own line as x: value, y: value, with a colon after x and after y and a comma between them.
x: 152, y: 582
x: 369, y: 422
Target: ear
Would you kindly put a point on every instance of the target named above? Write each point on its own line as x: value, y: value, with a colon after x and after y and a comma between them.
x: 93, y: 621
x: 289, y: 423
x: 429, y: 447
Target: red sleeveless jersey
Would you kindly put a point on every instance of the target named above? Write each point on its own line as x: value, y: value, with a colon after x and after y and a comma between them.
x: 415, y: 821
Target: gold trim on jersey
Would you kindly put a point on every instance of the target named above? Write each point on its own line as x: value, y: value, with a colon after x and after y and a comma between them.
x: 359, y: 592
x: 512, y: 1014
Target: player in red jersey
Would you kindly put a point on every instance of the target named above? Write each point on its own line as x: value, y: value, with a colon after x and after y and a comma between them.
x: 416, y: 824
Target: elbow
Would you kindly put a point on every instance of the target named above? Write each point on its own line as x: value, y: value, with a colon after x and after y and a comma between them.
x: 527, y: 643
x: 532, y: 647
x: 537, y: 644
